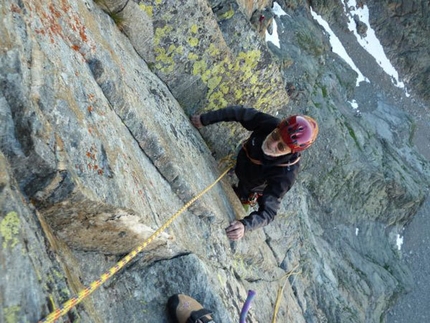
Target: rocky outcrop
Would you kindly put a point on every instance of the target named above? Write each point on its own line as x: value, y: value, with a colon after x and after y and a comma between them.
x: 97, y: 153
x: 411, y: 22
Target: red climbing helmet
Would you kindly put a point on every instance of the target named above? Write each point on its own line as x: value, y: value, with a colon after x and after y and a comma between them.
x: 298, y: 132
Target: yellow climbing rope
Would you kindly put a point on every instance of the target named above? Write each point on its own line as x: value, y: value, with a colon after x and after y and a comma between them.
x: 281, y: 290
x: 67, y: 306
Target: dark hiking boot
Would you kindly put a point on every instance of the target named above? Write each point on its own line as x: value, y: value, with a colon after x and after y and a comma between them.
x: 184, y: 309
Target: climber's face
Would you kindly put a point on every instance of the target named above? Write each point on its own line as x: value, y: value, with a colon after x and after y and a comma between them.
x: 274, y: 146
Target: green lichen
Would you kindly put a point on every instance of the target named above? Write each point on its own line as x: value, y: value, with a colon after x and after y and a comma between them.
x: 166, y: 58
x: 160, y: 33
x: 166, y: 63
x: 354, y: 137
x: 193, y: 41
x: 218, y: 69
x: 148, y: 9
x: 57, y: 274
x: 192, y: 57
x: 238, y: 93
x: 324, y: 92
x: 194, y: 29
x: 206, y: 76
x: 9, y: 229
x: 310, y: 43
x: 171, y: 49
x: 241, y: 71
x: 250, y: 58
x: 214, y: 82
x: 11, y: 314
x: 213, y: 50
x: 228, y: 79
x: 247, y: 75
x: 217, y: 100
x: 227, y: 15
x: 199, y: 67
x: 179, y: 50
x: 224, y: 88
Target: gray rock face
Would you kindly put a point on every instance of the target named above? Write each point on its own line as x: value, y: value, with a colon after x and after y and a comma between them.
x: 401, y: 26
x: 97, y: 153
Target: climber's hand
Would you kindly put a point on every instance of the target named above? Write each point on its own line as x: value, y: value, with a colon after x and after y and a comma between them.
x: 235, y: 230
x: 196, y: 121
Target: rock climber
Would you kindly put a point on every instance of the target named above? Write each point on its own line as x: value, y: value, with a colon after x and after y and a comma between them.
x: 268, y: 161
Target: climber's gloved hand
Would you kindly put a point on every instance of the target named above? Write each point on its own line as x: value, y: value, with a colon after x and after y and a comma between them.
x: 196, y: 121
x: 235, y: 230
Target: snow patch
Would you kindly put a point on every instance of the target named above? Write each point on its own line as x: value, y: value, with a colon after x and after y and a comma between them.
x: 399, y: 242
x: 370, y: 42
x: 274, y: 37
x: 338, y: 48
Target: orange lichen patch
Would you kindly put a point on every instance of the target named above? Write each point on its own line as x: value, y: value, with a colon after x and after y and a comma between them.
x: 15, y: 8
x: 81, y: 28
x: 60, y: 20
x: 54, y: 27
x: 96, y: 168
x: 54, y: 11
x: 49, y: 20
x: 65, y: 5
x: 40, y: 31
x: 91, y: 165
x: 90, y: 109
x: 91, y: 155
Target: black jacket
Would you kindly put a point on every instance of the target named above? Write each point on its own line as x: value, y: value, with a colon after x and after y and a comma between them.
x: 277, y: 179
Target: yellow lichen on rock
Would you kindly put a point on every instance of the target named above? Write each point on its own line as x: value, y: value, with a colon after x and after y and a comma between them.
x: 11, y: 314
x: 194, y: 29
x: 243, y: 77
x: 9, y: 229
x: 193, y: 41
x: 148, y: 9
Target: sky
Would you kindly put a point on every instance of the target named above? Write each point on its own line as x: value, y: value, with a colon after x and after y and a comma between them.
x: 370, y: 43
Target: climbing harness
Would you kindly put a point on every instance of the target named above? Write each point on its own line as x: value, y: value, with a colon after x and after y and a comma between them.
x: 253, y: 198
x: 67, y: 306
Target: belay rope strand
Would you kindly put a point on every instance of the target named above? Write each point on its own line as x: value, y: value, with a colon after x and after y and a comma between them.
x: 281, y: 290
x: 67, y: 306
